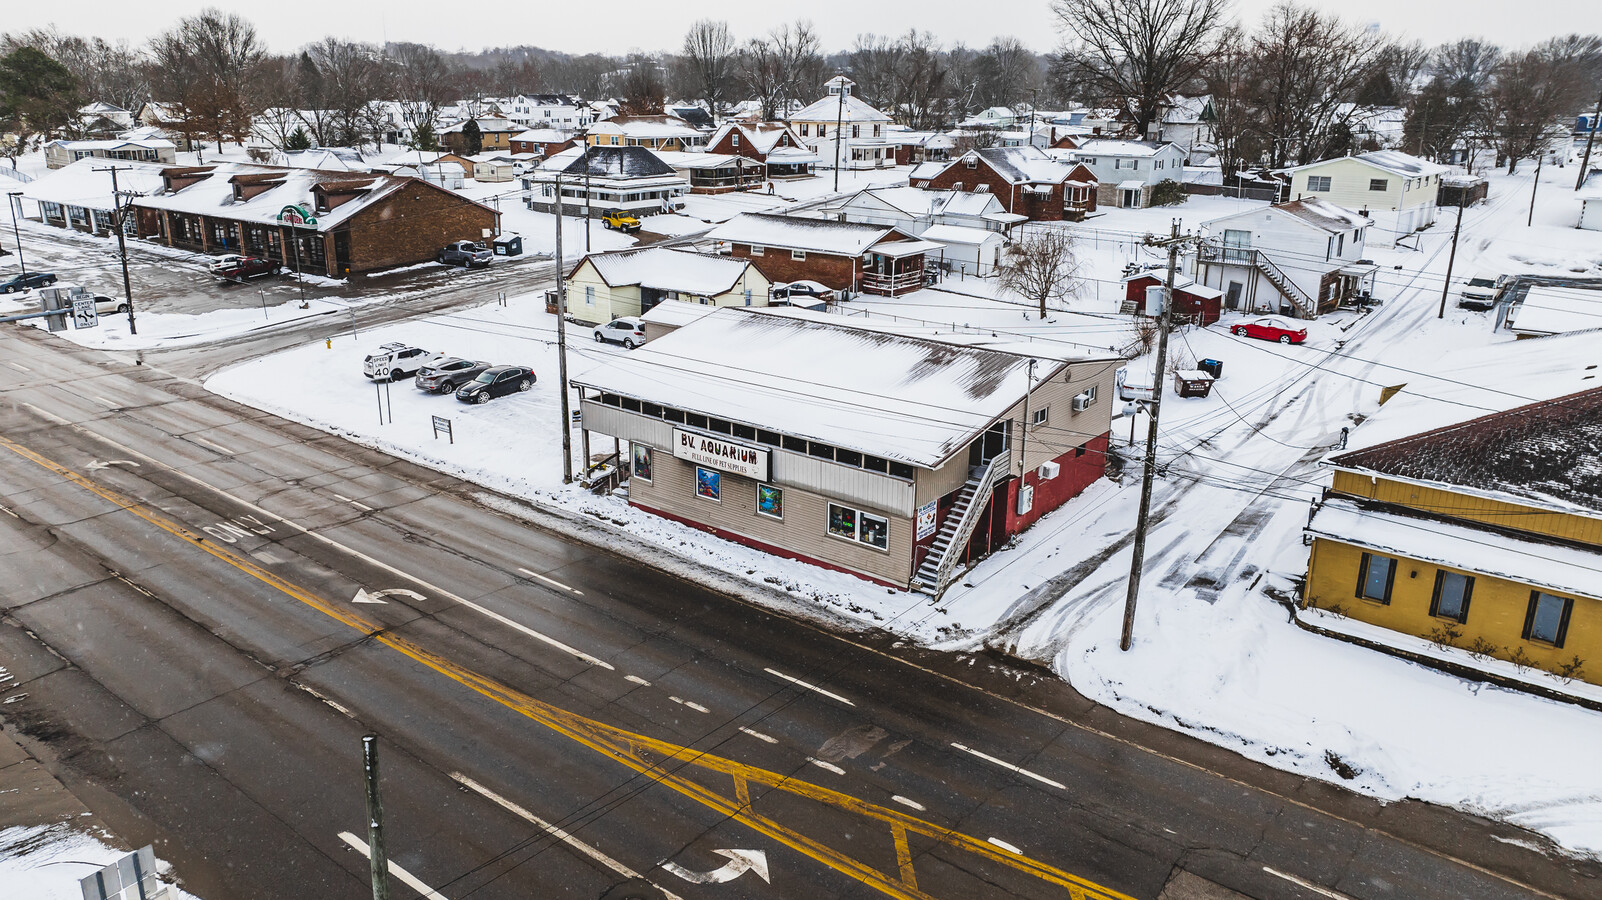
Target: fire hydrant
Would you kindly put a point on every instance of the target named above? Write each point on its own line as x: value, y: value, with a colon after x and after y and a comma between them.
x: 329, y: 342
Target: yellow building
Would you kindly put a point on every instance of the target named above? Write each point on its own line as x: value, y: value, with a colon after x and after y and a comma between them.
x: 1485, y: 533
x: 607, y: 286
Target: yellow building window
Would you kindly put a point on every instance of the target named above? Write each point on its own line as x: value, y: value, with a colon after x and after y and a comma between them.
x: 1375, y: 575
x: 1451, y: 597
x: 1547, y: 620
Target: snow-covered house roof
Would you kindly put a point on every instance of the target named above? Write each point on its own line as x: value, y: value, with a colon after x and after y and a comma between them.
x: 668, y: 269
x: 79, y: 184
x: 1395, y: 162
x: 1591, y: 189
x: 542, y: 136
x: 1311, y: 212
x: 114, y: 144
x: 850, y: 110
x: 1456, y: 388
x: 960, y: 234
x: 647, y: 128
x: 1547, y: 453
x: 614, y: 162
x: 1122, y: 148
x: 1023, y: 165
x: 678, y: 159
x: 328, y: 159
x: 762, y: 136
x: 797, y: 233
x: 485, y: 124
x: 214, y: 193
x: 913, y: 399
x: 1547, y: 309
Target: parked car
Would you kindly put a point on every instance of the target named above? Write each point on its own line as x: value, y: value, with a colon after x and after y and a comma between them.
x: 106, y: 306
x: 497, y: 381
x: 620, y: 220
x: 19, y: 283
x: 247, y: 267
x: 628, y: 331
x: 465, y: 254
x: 804, y: 289
x: 395, y: 361
x: 448, y: 374
x: 1272, y: 328
x: 226, y: 261
x: 1481, y: 292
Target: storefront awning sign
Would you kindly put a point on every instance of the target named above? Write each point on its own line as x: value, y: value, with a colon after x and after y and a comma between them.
x: 726, y: 456
x: 295, y: 214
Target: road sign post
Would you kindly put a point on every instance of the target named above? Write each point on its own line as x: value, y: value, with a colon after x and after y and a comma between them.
x: 84, y: 314
x: 443, y: 424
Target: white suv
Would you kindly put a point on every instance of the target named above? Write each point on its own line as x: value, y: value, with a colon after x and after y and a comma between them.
x: 393, y: 361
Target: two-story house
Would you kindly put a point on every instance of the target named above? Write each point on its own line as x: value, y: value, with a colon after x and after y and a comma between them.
x: 776, y: 145
x: 897, y: 458
x: 1398, y: 191
x: 844, y: 131
x: 972, y: 226
x: 605, y: 286
x: 1472, y: 519
x: 493, y: 134
x: 843, y: 256
x: 1302, y: 258
x: 1127, y: 171
x: 596, y: 179
x: 651, y: 132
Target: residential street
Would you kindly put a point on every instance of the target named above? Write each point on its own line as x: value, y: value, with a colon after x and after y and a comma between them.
x: 207, y: 606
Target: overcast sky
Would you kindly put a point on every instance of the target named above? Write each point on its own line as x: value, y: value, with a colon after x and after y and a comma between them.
x: 616, y: 26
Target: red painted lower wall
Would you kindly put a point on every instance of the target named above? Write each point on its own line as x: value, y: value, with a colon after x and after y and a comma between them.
x: 1078, y: 472
x: 765, y: 548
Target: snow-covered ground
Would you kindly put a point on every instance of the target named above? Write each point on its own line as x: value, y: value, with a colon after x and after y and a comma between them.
x: 44, y: 862
x: 1215, y: 654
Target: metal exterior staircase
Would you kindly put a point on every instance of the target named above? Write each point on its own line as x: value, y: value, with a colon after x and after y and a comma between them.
x: 1304, y: 304
x: 934, y: 573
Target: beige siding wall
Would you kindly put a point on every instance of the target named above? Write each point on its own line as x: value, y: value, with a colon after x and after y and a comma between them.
x: 1349, y: 186
x: 1065, y: 429
x: 804, y: 529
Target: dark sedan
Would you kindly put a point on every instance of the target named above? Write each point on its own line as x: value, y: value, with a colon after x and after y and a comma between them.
x: 448, y: 374
x: 496, y: 382
x: 27, y: 282
x: 247, y: 267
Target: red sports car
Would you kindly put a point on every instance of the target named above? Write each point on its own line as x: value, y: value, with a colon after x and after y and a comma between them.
x: 1272, y: 328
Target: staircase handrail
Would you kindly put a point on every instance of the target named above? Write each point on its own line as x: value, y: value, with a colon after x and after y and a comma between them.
x: 970, y: 519
x: 1284, y: 283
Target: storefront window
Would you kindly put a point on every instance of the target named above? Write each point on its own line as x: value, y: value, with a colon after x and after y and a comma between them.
x: 708, y: 484
x: 642, y: 461
x: 842, y: 521
x: 770, y: 501
x: 875, y: 531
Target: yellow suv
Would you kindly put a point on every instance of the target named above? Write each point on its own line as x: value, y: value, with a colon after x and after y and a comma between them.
x: 620, y: 220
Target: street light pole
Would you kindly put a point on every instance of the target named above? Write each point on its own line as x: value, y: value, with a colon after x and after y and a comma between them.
x: 122, y: 244
x: 15, y: 202
x: 561, y: 342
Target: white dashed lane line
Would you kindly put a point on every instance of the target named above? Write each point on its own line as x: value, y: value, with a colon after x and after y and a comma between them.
x: 1010, y: 767
x: 690, y: 703
x: 828, y: 766
x: 758, y: 735
x: 552, y: 582
x: 811, y: 687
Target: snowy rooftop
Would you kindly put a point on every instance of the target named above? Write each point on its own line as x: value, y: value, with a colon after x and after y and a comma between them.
x: 913, y: 399
x: 666, y: 269
x: 543, y: 136
x: 762, y: 136
x: 652, y: 127
x: 214, y: 194
x: 1401, y: 163
x: 1549, y: 453
x: 1110, y: 147
x: 958, y: 234
x: 1458, y: 388
x: 830, y: 109
x: 1323, y: 214
x: 677, y: 314
x: 78, y: 184
x: 628, y: 162
x: 1563, y: 569
x: 681, y: 160
x: 118, y: 144
x: 1555, y: 310
x: 796, y: 233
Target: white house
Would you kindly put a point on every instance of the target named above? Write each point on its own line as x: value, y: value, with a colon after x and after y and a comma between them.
x: 972, y: 226
x: 1398, y: 190
x: 602, y: 178
x: 59, y: 154
x: 606, y: 286
x: 1303, y: 257
x: 842, y: 127
x: 1126, y: 171
x: 1590, y: 196
x: 1187, y: 122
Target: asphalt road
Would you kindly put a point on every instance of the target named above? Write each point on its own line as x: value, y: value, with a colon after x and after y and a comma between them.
x: 182, y: 584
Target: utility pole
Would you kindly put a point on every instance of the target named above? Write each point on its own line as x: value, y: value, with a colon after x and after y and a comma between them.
x: 15, y: 203
x: 587, y: 213
x: 377, y: 858
x: 1540, y: 157
x: 561, y: 342
x: 839, y: 122
x: 1173, y: 242
x: 122, y: 242
x: 1451, y: 258
x: 1585, y: 162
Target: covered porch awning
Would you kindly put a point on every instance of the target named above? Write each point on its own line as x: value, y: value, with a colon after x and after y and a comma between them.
x: 900, y: 249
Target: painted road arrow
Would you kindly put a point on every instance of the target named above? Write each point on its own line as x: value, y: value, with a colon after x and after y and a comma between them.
x: 378, y: 596
x: 97, y: 464
x: 740, y: 862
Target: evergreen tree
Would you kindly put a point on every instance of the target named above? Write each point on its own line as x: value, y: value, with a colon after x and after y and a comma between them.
x: 423, y: 137
x: 472, y: 138
x: 37, y: 94
x: 298, y: 140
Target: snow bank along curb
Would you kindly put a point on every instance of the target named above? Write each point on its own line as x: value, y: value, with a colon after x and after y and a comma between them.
x: 1449, y: 666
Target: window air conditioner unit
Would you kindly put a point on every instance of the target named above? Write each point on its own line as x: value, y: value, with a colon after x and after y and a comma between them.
x: 1082, y: 402
x: 1049, y: 470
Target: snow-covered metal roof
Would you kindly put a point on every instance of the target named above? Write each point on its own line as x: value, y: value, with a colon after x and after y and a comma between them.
x: 959, y: 234
x: 1545, y: 309
x: 667, y: 269
x: 913, y: 399
x: 1559, y: 568
x: 830, y: 109
x: 1323, y: 214
x: 796, y: 233
x: 1111, y: 147
x: 628, y: 162
x: 647, y: 127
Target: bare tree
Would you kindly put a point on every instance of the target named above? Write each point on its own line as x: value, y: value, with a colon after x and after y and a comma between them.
x: 422, y: 84
x: 783, y: 66
x: 709, y: 59
x: 112, y: 73
x: 1134, y: 53
x: 342, y: 84
x: 1228, y: 75
x: 1308, y: 69
x: 204, y: 65
x: 1529, y: 90
x: 923, y: 80
x: 1007, y: 72
x: 1040, y: 266
x: 642, y: 85
x: 873, y: 62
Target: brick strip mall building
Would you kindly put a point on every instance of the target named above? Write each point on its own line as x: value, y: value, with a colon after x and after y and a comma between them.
x: 329, y: 223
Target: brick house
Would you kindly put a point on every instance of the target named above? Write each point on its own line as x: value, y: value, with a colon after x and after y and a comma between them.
x: 546, y: 142
x: 1026, y: 180
x: 774, y: 144
x: 329, y: 223
x: 874, y: 259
